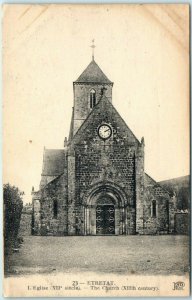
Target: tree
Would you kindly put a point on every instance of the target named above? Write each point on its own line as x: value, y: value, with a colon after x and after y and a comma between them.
x: 13, y: 204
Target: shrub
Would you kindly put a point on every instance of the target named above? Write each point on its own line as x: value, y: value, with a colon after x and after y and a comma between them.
x: 13, y: 204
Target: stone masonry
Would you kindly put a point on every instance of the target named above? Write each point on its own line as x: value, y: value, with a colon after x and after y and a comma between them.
x: 96, y: 185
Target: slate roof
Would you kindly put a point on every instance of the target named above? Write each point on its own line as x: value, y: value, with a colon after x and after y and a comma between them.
x: 93, y: 74
x: 149, y: 180
x: 53, y: 162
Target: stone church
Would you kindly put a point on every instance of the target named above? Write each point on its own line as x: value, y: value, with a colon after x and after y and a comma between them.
x: 96, y: 184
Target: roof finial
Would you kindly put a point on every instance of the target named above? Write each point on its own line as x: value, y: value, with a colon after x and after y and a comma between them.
x: 93, y: 47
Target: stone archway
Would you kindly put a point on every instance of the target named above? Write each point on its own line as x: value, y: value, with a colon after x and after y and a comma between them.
x: 105, y: 197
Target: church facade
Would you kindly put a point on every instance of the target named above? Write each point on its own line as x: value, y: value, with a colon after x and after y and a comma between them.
x: 96, y: 184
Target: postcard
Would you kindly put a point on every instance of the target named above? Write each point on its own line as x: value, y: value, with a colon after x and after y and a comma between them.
x: 96, y: 150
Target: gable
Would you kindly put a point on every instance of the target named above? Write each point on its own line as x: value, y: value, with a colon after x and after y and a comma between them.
x: 149, y: 181
x: 105, y: 112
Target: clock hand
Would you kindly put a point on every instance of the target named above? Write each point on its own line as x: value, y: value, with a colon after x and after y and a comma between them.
x: 107, y: 130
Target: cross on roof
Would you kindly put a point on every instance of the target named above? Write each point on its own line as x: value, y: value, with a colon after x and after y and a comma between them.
x: 93, y: 47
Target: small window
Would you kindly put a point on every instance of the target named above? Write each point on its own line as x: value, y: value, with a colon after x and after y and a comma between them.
x: 154, y: 209
x: 55, y: 209
x: 92, y: 98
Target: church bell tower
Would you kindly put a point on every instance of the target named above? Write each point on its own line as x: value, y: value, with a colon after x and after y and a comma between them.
x: 88, y: 90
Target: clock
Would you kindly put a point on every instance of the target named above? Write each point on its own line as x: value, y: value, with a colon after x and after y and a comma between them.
x: 104, y: 131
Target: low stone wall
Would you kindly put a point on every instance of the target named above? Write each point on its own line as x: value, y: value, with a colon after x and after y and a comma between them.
x: 182, y: 223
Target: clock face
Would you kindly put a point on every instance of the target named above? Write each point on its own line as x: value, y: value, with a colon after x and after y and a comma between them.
x: 104, y: 131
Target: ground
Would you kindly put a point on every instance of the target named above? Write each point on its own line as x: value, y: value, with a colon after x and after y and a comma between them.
x: 143, y: 255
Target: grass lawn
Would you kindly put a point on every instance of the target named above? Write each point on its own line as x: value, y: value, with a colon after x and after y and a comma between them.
x: 142, y: 255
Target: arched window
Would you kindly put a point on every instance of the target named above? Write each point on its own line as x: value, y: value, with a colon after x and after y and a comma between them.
x: 55, y: 209
x: 92, y: 98
x: 154, y: 209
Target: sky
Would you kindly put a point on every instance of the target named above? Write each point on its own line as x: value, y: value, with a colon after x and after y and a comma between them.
x: 143, y: 49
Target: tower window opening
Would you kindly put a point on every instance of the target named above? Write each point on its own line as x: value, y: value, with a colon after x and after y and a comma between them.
x: 154, y: 209
x: 92, y: 98
x: 55, y: 209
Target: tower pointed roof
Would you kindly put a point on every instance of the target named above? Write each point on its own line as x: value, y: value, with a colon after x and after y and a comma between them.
x: 93, y: 74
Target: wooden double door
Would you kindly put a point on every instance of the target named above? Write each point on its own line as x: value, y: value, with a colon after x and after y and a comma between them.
x: 105, y: 219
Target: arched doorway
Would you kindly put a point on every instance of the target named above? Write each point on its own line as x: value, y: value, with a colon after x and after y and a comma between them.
x: 107, y: 211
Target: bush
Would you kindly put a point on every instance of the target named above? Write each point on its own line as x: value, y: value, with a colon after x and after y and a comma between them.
x: 13, y: 205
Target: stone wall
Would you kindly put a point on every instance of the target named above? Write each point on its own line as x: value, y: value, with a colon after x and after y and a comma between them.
x: 182, y: 223
x: 51, y: 224
x: 110, y: 161
x: 36, y: 213
x: 159, y: 223
x: 172, y: 210
x: 71, y: 194
x: 139, y: 188
x: 82, y: 100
